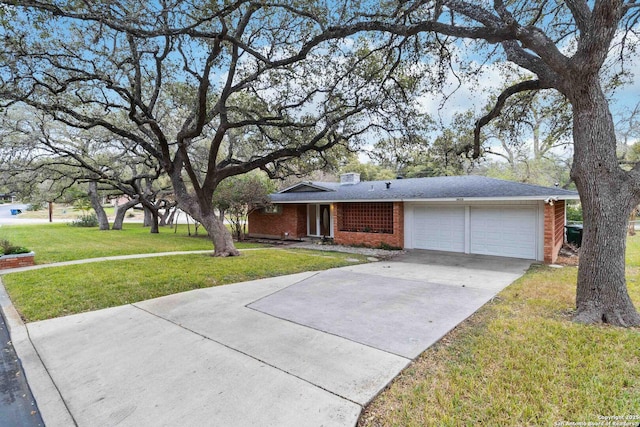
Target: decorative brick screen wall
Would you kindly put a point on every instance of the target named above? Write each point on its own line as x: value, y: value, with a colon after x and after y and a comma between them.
x: 366, y: 217
x: 383, y: 222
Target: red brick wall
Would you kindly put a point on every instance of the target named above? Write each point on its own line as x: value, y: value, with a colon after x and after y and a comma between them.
x: 396, y: 239
x: 9, y: 261
x: 291, y: 219
x: 554, y: 218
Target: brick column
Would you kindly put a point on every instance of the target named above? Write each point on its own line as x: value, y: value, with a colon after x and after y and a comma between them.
x: 554, y: 219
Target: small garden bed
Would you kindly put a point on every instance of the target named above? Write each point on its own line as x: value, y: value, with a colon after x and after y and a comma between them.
x: 17, y: 260
x: 14, y: 256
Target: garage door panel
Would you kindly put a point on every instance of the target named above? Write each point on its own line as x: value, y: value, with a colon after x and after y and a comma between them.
x: 439, y: 228
x: 506, y: 231
x: 510, y: 231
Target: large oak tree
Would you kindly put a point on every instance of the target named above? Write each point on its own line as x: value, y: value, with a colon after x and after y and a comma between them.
x: 254, y: 83
x: 572, y: 47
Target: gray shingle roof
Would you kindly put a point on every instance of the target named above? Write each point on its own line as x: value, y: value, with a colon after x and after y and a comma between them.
x: 445, y: 188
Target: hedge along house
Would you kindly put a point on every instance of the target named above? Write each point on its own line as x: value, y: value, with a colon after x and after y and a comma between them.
x: 465, y: 214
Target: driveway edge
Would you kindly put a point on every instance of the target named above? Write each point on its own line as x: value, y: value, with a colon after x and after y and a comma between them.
x: 52, y: 407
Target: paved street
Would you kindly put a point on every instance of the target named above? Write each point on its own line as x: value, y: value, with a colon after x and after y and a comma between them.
x: 17, y: 406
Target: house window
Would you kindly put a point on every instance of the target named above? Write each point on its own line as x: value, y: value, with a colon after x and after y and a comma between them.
x: 366, y: 217
x: 312, y: 215
x: 272, y: 209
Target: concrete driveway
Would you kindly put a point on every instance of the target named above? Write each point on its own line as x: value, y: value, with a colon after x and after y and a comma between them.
x: 308, y: 349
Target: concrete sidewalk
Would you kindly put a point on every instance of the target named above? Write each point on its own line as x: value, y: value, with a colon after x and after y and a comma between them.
x: 308, y: 349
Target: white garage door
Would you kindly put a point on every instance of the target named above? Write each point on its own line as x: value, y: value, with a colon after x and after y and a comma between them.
x: 505, y: 231
x: 438, y: 228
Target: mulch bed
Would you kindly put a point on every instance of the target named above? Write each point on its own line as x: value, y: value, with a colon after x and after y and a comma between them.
x: 568, y: 255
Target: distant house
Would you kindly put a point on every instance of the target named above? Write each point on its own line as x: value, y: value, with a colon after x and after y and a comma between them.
x: 466, y: 214
x: 6, y: 197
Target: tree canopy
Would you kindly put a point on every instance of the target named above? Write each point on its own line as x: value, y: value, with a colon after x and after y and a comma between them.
x: 210, y: 90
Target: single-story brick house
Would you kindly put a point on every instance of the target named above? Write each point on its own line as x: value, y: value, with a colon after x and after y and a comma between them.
x: 466, y: 214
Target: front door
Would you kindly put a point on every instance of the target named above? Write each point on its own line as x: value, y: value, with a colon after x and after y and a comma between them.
x: 325, y: 220
x: 319, y: 220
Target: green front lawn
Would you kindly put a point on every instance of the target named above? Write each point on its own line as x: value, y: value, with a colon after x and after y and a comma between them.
x: 521, y: 361
x: 59, y: 242
x: 58, y: 291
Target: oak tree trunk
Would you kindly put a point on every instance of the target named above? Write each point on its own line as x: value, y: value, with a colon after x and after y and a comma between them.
x: 146, y: 222
x: 96, y: 203
x: 219, y: 235
x: 151, y: 219
x: 608, y: 195
x: 201, y: 209
x: 120, y: 214
x: 154, y: 222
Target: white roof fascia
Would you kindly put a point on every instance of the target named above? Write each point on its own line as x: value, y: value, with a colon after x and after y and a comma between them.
x: 494, y: 199
x: 448, y: 199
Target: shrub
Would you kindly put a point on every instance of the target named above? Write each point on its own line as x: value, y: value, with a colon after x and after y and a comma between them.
x: 82, y: 204
x: 574, y: 212
x: 388, y: 247
x: 35, y: 206
x: 87, y: 220
x: 8, y: 249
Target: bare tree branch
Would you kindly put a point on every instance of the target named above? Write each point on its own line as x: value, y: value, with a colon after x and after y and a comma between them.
x: 528, y: 85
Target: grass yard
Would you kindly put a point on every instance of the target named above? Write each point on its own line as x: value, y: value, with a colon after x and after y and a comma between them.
x: 59, y: 291
x: 59, y: 242
x: 521, y: 361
